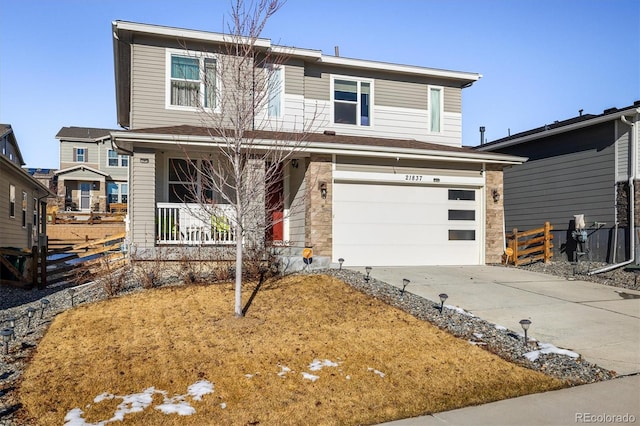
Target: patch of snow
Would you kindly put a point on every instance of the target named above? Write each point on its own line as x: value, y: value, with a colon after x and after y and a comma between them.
x: 378, y: 372
x: 317, y: 364
x: 478, y: 335
x: 500, y: 327
x: 74, y: 418
x: 103, y: 396
x: 176, y: 407
x: 199, y: 389
x: 548, y: 348
x: 223, y: 405
x: 459, y: 310
x: 283, y: 371
x: 311, y: 377
x: 248, y: 376
x: 348, y: 377
x: 133, y: 403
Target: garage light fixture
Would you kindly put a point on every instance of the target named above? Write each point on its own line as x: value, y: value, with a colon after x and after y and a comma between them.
x: 6, y: 336
x: 405, y: 283
x: 323, y: 190
x: 30, y: 312
x: 341, y: 261
x: 367, y: 277
x: 43, y: 305
x: 495, y: 194
x: 443, y: 297
x: 525, y: 323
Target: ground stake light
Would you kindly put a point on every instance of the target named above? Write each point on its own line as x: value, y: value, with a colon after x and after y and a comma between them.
x: 30, y: 312
x: 71, y: 292
x: 405, y: 283
x: 367, y: 278
x: 443, y: 297
x: 12, y: 326
x: 341, y: 261
x: 6, y: 336
x: 525, y: 323
x: 43, y: 305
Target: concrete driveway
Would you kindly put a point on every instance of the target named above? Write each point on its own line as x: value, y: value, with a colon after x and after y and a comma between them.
x: 599, y: 322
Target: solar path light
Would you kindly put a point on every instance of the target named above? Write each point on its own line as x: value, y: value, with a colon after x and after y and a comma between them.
x: 443, y: 297
x: 71, y: 292
x: 525, y: 323
x: 30, y: 312
x: 341, y: 261
x: 43, y: 305
x: 405, y: 283
x: 6, y: 336
x: 12, y: 326
x: 368, y: 277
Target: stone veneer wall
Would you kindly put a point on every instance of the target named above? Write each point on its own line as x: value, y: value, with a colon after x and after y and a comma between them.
x: 494, y: 225
x: 319, y: 211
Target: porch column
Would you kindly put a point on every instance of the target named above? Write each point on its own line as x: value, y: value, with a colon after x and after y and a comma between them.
x: 494, y: 221
x: 142, y: 200
x: 318, y: 212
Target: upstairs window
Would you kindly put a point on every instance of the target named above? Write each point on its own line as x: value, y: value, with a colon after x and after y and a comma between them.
x: 435, y: 109
x: 352, y: 102
x: 192, y: 81
x: 275, y: 86
x: 80, y: 155
x: 24, y: 209
x: 115, y: 160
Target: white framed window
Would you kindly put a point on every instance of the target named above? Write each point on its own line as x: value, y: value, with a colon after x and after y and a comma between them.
x: 12, y: 201
x: 188, y: 183
x: 192, y: 80
x: 117, y: 192
x: 80, y: 155
x: 275, y: 90
x: 435, y: 109
x: 115, y: 160
x: 351, y: 100
x: 24, y: 209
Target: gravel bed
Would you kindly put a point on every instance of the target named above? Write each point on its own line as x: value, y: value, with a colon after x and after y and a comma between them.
x: 507, y: 344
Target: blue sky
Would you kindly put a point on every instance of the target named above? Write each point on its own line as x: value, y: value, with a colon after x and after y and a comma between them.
x: 541, y: 60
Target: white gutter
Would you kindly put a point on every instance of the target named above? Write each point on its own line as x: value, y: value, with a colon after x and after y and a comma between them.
x: 323, y: 147
x: 632, y: 196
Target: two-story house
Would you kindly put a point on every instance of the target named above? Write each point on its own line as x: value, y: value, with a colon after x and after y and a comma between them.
x: 23, y: 200
x: 383, y: 179
x: 92, y: 174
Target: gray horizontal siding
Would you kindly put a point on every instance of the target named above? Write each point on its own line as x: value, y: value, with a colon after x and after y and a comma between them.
x: 294, y: 78
x: 622, y: 152
x: 354, y: 164
x: 452, y: 99
x: 143, y: 205
x: 556, y: 188
x: 401, y: 94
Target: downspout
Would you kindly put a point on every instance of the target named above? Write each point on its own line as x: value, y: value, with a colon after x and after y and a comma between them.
x: 632, y: 196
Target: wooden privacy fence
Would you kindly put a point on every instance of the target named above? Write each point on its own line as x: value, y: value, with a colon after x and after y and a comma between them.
x: 15, y: 262
x: 525, y: 247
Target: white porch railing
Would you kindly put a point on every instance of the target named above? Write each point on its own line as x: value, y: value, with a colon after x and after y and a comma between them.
x: 191, y: 224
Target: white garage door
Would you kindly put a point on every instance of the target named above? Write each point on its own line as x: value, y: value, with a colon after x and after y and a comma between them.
x: 384, y: 225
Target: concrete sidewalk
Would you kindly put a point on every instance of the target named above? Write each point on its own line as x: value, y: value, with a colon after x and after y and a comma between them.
x: 615, y: 401
x: 599, y: 322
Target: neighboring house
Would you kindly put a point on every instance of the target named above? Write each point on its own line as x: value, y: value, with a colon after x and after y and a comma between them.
x: 384, y: 181
x: 23, y: 199
x: 583, y: 165
x: 92, y: 174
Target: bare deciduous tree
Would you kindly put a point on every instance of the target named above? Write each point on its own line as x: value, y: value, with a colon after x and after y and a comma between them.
x: 239, y: 173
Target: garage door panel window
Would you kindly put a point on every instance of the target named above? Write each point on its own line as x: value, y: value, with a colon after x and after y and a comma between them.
x: 462, y: 215
x: 462, y: 235
x: 462, y: 194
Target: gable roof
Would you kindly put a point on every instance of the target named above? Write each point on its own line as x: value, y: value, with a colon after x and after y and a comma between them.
x: 328, y: 142
x: 558, y: 127
x: 83, y: 134
x: 7, y: 130
x: 80, y: 167
x: 124, y: 33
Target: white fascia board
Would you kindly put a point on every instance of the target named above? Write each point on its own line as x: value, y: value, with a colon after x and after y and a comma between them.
x: 404, y: 69
x: 559, y: 130
x: 408, y: 178
x: 80, y: 167
x: 297, y: 52
x: 327, y: 148
x: 181, y: 33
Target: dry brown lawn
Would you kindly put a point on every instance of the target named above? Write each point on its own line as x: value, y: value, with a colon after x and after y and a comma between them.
x: 389, y: 364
